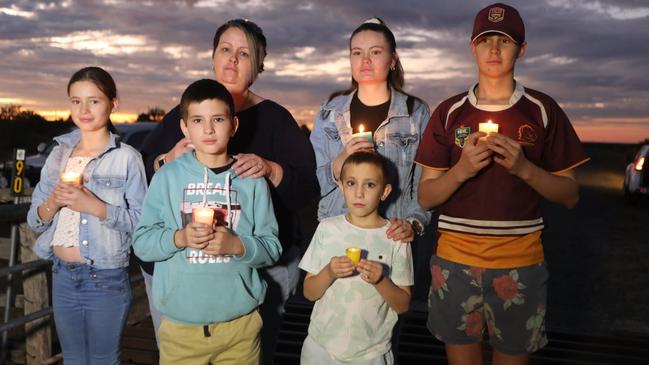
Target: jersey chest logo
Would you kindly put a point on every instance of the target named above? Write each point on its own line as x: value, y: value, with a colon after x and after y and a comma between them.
x: 527, y: 135
x: 460, y: 135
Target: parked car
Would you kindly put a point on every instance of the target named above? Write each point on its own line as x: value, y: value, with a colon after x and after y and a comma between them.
x: 132, y: 134
x: 636, y: 177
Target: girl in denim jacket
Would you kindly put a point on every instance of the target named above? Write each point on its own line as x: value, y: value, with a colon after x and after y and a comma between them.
x: 87, y: 204
x: 396, y: 120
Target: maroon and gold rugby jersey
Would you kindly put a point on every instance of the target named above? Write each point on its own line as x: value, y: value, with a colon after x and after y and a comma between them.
x: 494, y: 219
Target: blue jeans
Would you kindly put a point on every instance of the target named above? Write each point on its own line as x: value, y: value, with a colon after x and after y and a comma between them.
x: 282, y: 279
x: 156, y: 316
x: 90, y: 310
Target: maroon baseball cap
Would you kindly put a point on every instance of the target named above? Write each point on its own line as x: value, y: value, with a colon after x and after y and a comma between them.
x: 499, y: 18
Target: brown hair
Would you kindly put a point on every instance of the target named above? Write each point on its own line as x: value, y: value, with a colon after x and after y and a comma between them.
x: 205, y: 89
x: 395, y: 77
x: 102, y: 80
x: 256, y: 43
x: 370, y: 158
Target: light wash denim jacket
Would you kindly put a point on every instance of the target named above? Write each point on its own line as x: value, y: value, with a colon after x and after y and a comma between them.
x: 397, y: 139
x: 115, y: 176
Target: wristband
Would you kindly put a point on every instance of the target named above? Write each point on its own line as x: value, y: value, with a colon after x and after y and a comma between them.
x: 416, y: 226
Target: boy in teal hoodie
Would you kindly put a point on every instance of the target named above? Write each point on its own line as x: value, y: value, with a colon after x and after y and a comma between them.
x: 206, y: 282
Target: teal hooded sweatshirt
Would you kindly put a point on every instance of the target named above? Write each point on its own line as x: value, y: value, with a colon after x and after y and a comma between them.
x: 190, y: 286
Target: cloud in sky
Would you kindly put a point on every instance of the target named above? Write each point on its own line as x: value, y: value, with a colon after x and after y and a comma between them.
x: 590, y: 55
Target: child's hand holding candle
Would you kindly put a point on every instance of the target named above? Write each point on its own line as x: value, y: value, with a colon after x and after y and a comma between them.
x: 489, y: 127
x: 71, y: 177
x: 203, y: 215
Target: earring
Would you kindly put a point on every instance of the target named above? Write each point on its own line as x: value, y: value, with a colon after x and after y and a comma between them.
x: 392, y: 68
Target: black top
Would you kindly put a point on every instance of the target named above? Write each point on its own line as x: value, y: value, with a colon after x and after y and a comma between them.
x: 269, y: 131
x: 226, y: 167
x: 370, y: 117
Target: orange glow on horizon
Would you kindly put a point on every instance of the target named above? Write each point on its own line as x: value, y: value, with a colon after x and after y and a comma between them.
x: 54, y: 115
x: 607, y: 133
x: 599, y: 130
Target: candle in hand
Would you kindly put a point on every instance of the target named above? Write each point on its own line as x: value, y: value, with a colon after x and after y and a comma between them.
x: 71, y: 177
x: 363, y: 134
x: 203, y: 215
x: 354, y: 254
x: 489, y: 127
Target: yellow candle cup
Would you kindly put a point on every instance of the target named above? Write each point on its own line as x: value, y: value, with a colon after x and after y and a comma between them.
x: 489, y: 127
x: 203, y: 215
x: 354, y: 254
x: 72, y: 178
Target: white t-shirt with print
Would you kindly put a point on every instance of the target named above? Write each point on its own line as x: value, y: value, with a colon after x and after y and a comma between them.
x: 351, y: 320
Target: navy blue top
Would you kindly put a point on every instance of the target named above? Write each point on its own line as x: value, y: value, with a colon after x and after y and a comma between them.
x: 268, y: 130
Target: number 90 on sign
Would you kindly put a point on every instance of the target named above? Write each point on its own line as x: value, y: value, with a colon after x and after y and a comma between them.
x: 18, y: 177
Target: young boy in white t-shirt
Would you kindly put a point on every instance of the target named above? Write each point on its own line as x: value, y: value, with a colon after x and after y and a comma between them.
x: 356, y: 305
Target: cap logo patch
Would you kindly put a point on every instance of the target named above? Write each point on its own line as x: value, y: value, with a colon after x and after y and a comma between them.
x: 496, y: 14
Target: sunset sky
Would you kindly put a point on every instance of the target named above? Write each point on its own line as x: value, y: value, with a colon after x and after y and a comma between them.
x: 590, y: 55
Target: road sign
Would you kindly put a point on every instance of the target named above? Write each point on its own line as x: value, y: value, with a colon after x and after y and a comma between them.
x: 18, y: 171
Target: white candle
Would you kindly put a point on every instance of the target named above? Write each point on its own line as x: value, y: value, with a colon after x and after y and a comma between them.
x: 489, y: 127
x: 71, y: 177
x: 203, y: 215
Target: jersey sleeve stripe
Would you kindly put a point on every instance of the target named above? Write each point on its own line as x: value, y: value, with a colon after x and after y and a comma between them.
x: 538, y: 102
x: 452, y: 109
x: 431, y: 167
x: 571, y: 167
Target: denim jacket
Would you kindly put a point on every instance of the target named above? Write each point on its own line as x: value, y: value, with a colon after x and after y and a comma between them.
x: 116, y: 177
x: 397, y: 139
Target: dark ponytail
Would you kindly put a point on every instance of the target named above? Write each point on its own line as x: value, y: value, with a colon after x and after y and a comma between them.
x: 112, y: 129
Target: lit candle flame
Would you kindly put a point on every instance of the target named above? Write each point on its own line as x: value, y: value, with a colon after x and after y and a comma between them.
x: 489, y: 127
x: 361, y: 129
x: 71, y: 177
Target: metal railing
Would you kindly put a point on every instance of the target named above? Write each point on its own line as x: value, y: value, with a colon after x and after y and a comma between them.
x: 16, y: 214
x: 8, y: 271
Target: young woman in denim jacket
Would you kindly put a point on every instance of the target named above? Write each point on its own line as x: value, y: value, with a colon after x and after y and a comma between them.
x: 87, y: 225
x: 377, y: 79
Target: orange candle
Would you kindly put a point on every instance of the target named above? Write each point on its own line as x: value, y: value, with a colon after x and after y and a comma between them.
x: 354, y: 254
x: 489, y: 127
x: 361, y: 133
x: 203, y: 215
x: 71, y: 177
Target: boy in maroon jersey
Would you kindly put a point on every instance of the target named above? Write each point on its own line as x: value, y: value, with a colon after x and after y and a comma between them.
x: 489, y: 269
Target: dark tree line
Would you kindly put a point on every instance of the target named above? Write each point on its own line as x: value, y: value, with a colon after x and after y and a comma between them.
x: 24, y: 128
x: 154, y: 114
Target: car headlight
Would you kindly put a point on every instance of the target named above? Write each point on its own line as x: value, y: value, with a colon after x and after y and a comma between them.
x: 639, y: 164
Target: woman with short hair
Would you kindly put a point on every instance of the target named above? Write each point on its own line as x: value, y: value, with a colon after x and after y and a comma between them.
x: 268, y: 144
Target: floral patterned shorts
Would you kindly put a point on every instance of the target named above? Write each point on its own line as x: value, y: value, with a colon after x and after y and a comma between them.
x: 509, y: 303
